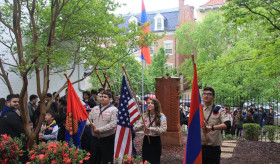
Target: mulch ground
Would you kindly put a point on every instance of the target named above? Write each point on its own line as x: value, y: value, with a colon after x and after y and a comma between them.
x: 245, y: 152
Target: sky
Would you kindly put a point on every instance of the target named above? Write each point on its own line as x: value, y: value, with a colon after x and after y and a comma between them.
x: 134, y: 6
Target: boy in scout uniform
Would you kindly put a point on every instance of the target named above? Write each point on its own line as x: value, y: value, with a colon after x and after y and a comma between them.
x: 215, y: 120
x: 103, y: 122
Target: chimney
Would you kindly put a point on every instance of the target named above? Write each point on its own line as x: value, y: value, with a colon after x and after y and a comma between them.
x: 181, y: 4
x: 186, y: 13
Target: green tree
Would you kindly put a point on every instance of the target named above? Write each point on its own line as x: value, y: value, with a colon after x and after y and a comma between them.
x: 235, y: 60
x: 47, y: 37
x: 248, y: 11
x: 159, y: 68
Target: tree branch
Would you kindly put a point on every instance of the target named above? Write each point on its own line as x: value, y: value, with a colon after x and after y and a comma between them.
x: 275, y: 26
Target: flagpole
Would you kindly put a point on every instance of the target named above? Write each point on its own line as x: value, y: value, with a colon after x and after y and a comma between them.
x: 142, y: 97
x: 135, y: 99
x: 204, y: 122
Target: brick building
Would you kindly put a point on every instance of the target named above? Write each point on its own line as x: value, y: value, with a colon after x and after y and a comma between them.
x: 165, y: 20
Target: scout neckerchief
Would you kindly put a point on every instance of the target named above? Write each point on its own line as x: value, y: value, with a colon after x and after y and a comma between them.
x: 46, y: 127
x: 101, y: 111
x: 213, y: 107
x: 151, y: 122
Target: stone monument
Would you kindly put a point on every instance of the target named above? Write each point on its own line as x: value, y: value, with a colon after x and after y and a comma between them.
x: 168, y: 93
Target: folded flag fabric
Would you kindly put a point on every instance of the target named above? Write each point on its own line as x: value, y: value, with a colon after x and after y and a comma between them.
x: 193, y: 153
x: 76, y: 117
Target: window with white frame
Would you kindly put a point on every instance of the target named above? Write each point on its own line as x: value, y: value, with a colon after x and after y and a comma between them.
x: 159, y: 22
x: 168, y: 47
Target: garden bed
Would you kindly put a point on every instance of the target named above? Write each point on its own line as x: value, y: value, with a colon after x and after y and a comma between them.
x: 244, y: 152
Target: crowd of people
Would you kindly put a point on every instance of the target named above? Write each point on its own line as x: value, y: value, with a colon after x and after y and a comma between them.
x: 251, y: 115
x: 238, y: 118
x: 99, y: 133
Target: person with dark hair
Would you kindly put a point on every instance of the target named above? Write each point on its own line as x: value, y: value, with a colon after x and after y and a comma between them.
x: 95, y: 97
x: 251, y: 109
x: 270, y: 117
x: 239, y: 121
x: 11, y: 123
x: 54, y: 105
x: 2, y: 103
x: 87, y: 100
x: 100, y: 90
x: 61, y: 119
x: 256, y: 116
x: 103, y: 123
x: 56, y: 98
x: 263, y: 117
x: 32, y: 106
x: 215, y: 121
x: 155, y: 124
x: 249, y: 118
x: 117, y: 101
x: 49, y: 129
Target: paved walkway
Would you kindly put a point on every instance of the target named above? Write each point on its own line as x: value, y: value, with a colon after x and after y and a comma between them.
x: 227, y: 148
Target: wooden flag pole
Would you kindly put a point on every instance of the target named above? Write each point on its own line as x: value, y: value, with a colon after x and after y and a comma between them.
x: 135, y: 100
x: 204, y: 122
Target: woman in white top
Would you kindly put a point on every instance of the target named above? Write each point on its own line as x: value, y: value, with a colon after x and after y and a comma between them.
x: 155, y: 125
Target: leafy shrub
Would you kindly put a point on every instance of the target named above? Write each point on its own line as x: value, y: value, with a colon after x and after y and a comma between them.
x: 271, y: 130
x: 10, y: 149
x: 56, y: 152
x: 251, y: 131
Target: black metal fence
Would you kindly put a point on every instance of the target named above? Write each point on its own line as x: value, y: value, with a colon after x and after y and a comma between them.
x: 235, y: 102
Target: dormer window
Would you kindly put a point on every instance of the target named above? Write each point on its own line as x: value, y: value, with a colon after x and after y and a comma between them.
x: 159, y: 22
x: 133, y: 19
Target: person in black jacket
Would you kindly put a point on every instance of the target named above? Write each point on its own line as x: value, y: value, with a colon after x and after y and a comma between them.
x: 11, y: 123
x: 270, y: 117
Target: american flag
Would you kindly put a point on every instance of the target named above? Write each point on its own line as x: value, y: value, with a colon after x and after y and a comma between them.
x: 127, y: 115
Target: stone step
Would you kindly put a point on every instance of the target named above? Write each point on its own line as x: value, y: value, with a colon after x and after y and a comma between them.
x: 228, y: 144
x: 229, y: 141
x: 227, y: 149
x: 226, y: 155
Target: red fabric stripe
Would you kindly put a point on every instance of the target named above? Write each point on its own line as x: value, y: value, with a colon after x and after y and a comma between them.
x: 198, y: 158
x: 127, y: 143
x: 143, y: 6
x: 133, y: 112
x: 119, y: 143
x: 131, y: 105
x: 194, y: 101
x: 136, y: 118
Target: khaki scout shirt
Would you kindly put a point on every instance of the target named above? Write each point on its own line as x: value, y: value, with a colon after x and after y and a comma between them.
x: 214, y: 138
x: 154, y: 130
x: 105, y: 122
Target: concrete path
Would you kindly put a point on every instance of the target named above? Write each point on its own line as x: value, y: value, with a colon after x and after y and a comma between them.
x: 227, y: 148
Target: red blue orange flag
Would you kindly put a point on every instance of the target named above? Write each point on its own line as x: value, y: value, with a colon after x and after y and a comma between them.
x: 193, y: 153
x: 145, y: 51
x: 76, y: 117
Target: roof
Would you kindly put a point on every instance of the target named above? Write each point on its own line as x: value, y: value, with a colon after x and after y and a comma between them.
x: 170, y: 19
x: 213, y: 3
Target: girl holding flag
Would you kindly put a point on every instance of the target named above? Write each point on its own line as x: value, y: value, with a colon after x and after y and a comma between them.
x: 155, y: 125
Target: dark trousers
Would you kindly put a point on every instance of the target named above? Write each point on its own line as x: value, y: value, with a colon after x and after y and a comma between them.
x: 211, y: 154
x: 151, y: 152
x: 133, y: 146
x: 102, y: 150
